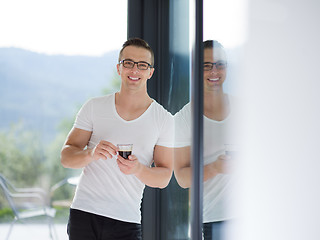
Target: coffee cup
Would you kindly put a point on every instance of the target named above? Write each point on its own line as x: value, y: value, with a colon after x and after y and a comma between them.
x: 125, y: 150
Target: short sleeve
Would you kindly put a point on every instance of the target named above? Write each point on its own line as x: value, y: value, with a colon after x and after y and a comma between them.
x: 84, y: 117
x: 166, y: 135
x: 182, y: 132
x: 182, y: 125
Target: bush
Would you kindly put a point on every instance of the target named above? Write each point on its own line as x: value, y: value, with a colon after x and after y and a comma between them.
x: 6, y: 215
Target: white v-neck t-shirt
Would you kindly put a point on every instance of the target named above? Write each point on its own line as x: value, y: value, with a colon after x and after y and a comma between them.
x: 103, y: 189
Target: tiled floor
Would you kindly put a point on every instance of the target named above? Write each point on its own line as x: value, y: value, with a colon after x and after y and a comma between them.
x: 32, y: 231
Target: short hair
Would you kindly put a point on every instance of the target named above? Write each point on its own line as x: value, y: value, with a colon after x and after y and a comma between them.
x: 212, y: 44
x: 137, y: 42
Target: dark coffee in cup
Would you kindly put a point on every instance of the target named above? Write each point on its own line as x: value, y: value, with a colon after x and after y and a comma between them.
x: 124, y: 150
x: 125, y: 154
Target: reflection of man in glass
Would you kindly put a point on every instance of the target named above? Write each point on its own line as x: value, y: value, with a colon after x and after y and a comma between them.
x: 217, y: 120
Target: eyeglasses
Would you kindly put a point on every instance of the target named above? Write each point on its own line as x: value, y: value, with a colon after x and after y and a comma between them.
x: 130, y: 64
x: 220, y: 65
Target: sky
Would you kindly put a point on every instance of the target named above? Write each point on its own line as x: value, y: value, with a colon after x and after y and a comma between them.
x: 69, y: 27
x: 93, y: 27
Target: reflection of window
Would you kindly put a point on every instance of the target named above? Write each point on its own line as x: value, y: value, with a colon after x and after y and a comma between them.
x: 225, y: 21
x: 228, y: 26
x: 60, y: 55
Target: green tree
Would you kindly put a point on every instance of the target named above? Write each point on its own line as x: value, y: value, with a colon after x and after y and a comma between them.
x: 22, y: 159
x: 21, y: 155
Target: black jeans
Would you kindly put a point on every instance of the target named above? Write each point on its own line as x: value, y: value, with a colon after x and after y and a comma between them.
x: 87, y: 226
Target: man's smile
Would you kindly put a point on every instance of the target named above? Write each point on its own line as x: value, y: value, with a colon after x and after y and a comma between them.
x: 213, y: 79
x: 133, y: 78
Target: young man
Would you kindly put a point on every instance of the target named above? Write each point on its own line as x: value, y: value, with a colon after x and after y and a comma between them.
x: 218, y: 123
x: 107, y: 200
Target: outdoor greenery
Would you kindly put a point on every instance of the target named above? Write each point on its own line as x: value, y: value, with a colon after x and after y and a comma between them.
x: 26, y: 162
x: 6, y: 214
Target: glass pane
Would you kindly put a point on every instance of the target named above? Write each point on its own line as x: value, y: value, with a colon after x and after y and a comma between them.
x: 224, y: 35
x: 54, y: 55
x: 180, y: 97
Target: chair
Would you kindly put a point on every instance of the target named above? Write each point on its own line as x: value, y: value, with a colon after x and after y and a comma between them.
x: 72, y: 181
x: 27, y: 203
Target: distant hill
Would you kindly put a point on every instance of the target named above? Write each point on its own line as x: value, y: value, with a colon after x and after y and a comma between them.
x: 40, y: 89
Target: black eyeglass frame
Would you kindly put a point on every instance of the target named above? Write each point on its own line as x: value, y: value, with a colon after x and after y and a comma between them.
x: 224, y: 63
x: 149, y: 65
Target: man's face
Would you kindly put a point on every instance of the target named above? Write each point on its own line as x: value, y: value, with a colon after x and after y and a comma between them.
x: 135, y: 78
x: 214, y: 78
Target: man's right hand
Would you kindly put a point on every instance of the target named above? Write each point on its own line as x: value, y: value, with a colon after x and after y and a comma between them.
x: 104, y: 150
